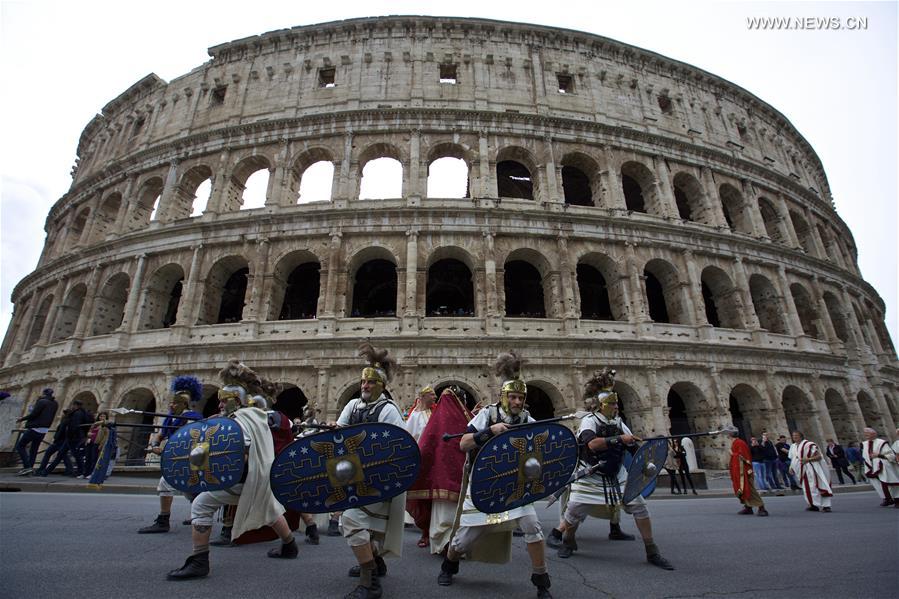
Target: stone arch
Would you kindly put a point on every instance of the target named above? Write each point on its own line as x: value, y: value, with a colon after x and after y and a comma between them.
x: 393, y: 160
x: 233, y: 196
x: 373, y: 283
x: 639, y: 187
x: 210, y: 400
x: 721, y: 299
x: 543, y: 398
x: 69, y: 312
x: 524, y: 284
x: 842, y: 419
x: 296, y: 286
x: 837, y: 316
x: 600, y: 288
x: 803, y: 232
x: 689, y: 411
x: 663, y: 293
x: 886, y: 344
x: 768, y: 304
x: 39, y: 321
x: 826, y: 240
x: 145, y: 204
x: 76, y: 228
x: 109, y: 305
x: 580, y: 179
x: 450, y: 160
x: 630, y: 409
x: 800, y: 412
x: 105, y: 217
x: 133, y: 441
x: 162, y: 298
x: 186, y: 200
x: 734, y: 207
x: 89, y: 402
x: 805, y: 307
x: 517, y: 174
x: 224, y: 291
x: 449, y: 289
x: 773, y: 222
x: 870, y: 412
x: 746, y: 409
x: 313, y: 189
x: 472, y: 395
x: 690, y: 199
x: 350, y: 391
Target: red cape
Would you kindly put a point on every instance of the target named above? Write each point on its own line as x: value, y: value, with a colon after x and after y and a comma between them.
x: 741, y: 469
x: 440, y: 474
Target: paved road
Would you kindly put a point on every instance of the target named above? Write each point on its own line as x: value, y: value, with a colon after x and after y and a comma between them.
x: 60, y: 545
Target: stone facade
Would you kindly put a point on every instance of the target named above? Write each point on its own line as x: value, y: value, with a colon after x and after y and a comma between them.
x: 623, y: 209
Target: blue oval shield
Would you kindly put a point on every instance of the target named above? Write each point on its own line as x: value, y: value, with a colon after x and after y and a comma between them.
x: 207, y: 455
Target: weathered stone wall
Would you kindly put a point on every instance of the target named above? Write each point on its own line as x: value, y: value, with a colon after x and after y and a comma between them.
x: 737, y: 215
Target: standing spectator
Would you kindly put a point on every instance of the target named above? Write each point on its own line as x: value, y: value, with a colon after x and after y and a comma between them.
x: 838, y: 459
x: 770, y: 452
x: 783, y: 462
x: 758, y: 463
x: 38, y: 422
x: 96, y: 437
x: 854, y: 456
x: 683, y: 467
x: 671, y: 468
x: 76, y: 435
x: 56, y: 448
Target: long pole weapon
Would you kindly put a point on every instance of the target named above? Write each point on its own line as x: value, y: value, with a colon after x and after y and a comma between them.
x: 447, y: 436
x: 122, y: 411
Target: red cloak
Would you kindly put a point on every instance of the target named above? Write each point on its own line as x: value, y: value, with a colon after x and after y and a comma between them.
x: 741, y: 469
x: 440, y: 474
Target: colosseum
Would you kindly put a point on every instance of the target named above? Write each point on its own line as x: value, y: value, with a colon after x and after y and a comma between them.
x: 609, y: 206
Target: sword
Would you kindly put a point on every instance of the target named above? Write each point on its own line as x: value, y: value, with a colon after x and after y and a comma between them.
x: 447, y: 436
x: 122, y: 411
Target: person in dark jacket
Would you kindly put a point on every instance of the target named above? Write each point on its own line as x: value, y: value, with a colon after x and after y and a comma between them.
x: 770, y: 452
x: 56, y: 448
x: 76, y: 434
x: 38, y: 422
x: 838, y: 460
x: 758, y: 464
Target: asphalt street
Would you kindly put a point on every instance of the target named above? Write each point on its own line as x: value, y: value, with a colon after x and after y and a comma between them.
x: 61, y: 545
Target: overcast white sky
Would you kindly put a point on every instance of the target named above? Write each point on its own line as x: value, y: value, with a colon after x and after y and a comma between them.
x: 61, y: 62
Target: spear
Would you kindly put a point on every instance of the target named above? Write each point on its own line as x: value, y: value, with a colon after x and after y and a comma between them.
x: 122, y: 411
x: 729, y: 429
x: 447, y: 436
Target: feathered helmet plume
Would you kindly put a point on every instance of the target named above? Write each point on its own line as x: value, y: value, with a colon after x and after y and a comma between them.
x: 190, y: 386
x: 381, y: 364
x: 508, y: 368
x: 598, y: 390
x: 236, y: 373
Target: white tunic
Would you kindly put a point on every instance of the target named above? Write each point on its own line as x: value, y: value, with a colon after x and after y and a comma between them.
x: 880, y: 461
x: 590, y: 489
x: 417, y: 421
x: 814, y: 476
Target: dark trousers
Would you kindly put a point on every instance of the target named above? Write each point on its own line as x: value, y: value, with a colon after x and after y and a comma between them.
x: 841, y: 468
x: 62, y: 451
x: 91, y: 453
x: 672, y: 476
x: 685, y: 477
x: 28, y: 446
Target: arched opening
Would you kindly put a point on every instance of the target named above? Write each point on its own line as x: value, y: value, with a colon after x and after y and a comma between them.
x: 655, y: 299
x: 316, y: 182
x: 798, y: 412
x: 594, y: 293
x: 448, y: 178
x: 147, y: 201
x: 234, y: 292
x: 201, y: 198
x: 746, y: 407
x: 105, y: 217
x: 225, y: 290
x: 524, y: 290
x: 449, y: 291
x: 688, y: 412
x: 664, y: 293
x: 773, y: 222
x: 539, y: 403
x: 133, y: 441
x: 374, y: 289
x: 739, y: 420
x: 576, y: 187
x: 76, y: 229
x: 721, y: 299
x: 871, y: 414
x: 69, y: 311
x: 513, y: 180
x: 837, y: 316
x: 382, y: 178
x: 255, y: 190
x: 88, y: 400
x: 240, y: 193
x: 191, y: 195
x: 210, y: 400
x: 803, y: 232
x: 688, y: 196
x: 633, y: 194
x: 767, y: 304
x: 734, y: 209
x: 805, y: 307
x: 462, y: 390
x: 301, y: 292
x: 639, y: 186
x: 843, y: 424
x: 679, y: 422
x: 39, y: 322
x: 162, y: 298
x: 292, y: 399
x: 109, y: 305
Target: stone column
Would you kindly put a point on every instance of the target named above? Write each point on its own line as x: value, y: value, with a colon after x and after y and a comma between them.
x: 166, y: 212
x: 793, y: 322
x: 638, y: 308
x: 493, y: 316
x: 220, y: 179
x: 411, y: 312
x: 415, y: 185
x: 189, y: 304
x: 752, y: 320
x: 87, y: 234
x: 326, y: 317
x: 488, y: 187
x: 87, y: 307
x: 712, y: 199
x: 127, y: 200
x: 22, y: 331
x: 347, y: 189
x: 551, y: 189
x: 753, y: 211
x: 569, y: 311
x: 53, y: 313
x: 788, y: 222
x: 694, y: 293
x: 256, y: 283
x: 825, y: 424
x: 664, y: 189
x: 613, y: 195
x: 129, y: 324
x: 322, y: 400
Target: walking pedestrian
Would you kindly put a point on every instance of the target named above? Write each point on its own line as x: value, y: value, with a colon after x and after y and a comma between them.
x: 683, y: 467
x: 838, y: 460
x: 38, y: 421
